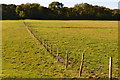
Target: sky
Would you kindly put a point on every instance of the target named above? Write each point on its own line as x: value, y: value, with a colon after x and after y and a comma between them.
x: 113, y: 4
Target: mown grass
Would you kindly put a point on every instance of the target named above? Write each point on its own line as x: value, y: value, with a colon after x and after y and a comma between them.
x: 99, y: 40
x: 24, y: 57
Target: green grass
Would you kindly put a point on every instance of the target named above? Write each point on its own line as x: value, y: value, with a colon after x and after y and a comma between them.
x: 24, y: 57
x: 99, y: 39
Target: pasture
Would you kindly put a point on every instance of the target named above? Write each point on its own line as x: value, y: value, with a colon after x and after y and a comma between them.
x: 24, y: 57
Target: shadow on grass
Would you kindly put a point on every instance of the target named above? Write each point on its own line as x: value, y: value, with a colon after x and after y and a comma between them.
x: 82, y: 27
x: 89, y: 27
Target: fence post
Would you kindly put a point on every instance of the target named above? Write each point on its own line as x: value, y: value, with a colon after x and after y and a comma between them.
x: 50, y: 49
x: 110, y: 68
x: 66, y: 62
x: 43, y: 42
x: 46, y: 45
x: 57, y: 55
x: 81, y: 66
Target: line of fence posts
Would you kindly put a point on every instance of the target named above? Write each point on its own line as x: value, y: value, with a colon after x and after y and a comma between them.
x: 66, y: 59
x: 82, y: 61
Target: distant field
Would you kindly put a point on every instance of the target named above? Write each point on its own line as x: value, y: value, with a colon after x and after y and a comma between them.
x: 23, y: 56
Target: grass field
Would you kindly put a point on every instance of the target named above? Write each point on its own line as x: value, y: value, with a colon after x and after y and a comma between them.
x: 23, y: 56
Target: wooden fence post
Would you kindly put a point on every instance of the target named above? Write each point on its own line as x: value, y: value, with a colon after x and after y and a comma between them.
x: 66, y: 62
x: 43, y: 43
x: 81, y: 66
x: 50, y: 49
x: 110, y: 68
x: 57, y: 54
x: 46, y: 45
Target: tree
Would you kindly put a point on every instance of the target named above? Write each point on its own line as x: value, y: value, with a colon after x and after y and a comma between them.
x: 55, y: 5
x: 84, y: 11
x: 0, y: 11
x: 23, y: 10
x: 8, y: 11
x: 57, y: 11
x: 116, y: 14
x: 34, y: 10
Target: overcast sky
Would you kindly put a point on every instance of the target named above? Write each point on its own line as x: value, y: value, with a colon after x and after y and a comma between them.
x: 113, y: 4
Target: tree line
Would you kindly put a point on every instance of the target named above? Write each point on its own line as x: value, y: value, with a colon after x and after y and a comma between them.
x: 57, y: 11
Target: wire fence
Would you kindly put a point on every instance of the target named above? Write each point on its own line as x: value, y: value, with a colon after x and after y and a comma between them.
x: 71, y: 62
